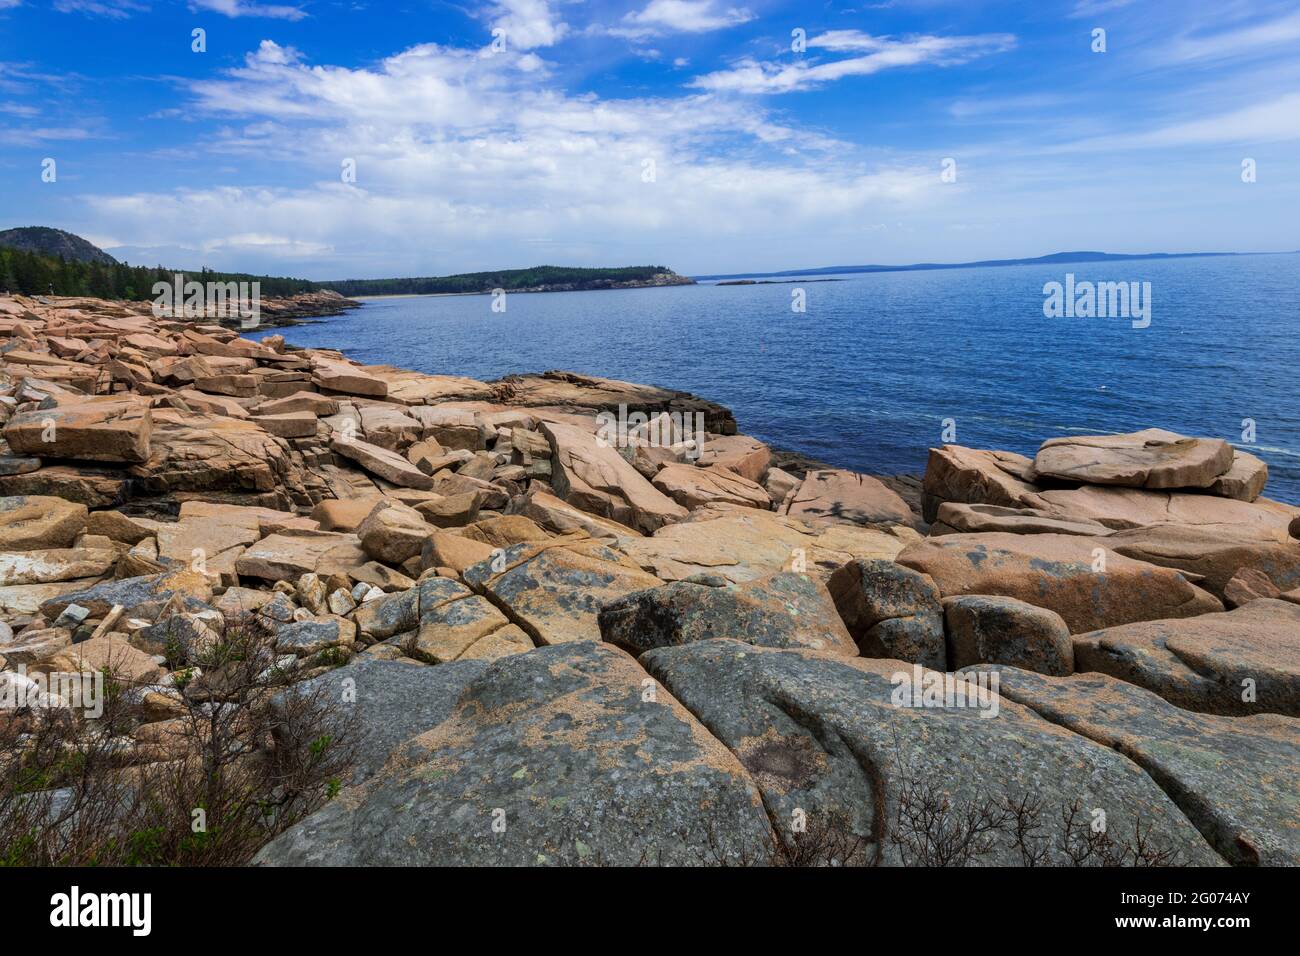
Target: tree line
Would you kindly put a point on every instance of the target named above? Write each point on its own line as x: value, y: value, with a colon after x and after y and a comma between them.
x: 507, y: 279
x: 31, y: 273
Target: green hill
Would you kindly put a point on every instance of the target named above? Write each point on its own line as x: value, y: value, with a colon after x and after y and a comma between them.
x: 54, y: 243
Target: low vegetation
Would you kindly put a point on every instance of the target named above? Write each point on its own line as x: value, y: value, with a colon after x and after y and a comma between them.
x: 242, y: 758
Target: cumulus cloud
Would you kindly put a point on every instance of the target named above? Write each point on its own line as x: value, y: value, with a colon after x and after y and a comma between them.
x: 527, y: 24
x: 877, y: 53
x: 480, y: 156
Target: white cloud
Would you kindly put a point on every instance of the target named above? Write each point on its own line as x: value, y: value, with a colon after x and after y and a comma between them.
x: 9, y: 4
x: 116, y: 9
x: 1242, y: 41
x: 477, y: 157
x: 1274, y: 121
x: 680, y: 16
x: 527, y: 24
x: 1027, y: 107
x: 249, y: 8
x: 880, y: 53
x: 34, y: 136
x: 1090, y: 8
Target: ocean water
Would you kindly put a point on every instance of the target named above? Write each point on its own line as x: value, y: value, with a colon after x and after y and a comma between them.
x: 866, y: 376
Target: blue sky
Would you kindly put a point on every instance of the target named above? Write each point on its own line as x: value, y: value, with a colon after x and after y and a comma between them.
x: 684, y: 132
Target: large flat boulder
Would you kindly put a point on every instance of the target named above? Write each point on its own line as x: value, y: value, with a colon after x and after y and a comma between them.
x: 572, y: 392
x: 29, y: 522
x: 301, y: 401
x: 1233, y: 777
x: 102, y: 429
x: 55, y: 564
x: 746, y: 456
x: 781, y: 610
x: 556, y: 757
x: 142, y: 596
x: 555, y: 590
x: 742, y: 544
x: 560, y: 517
x: 1245, y: 661
x: 693, y: 487
x: 1151, y: 458
x: 954, y: 517
x: 347, y: 379
x: 193, y: 452
x: 209, y: 544
x: 835, y: 742
x: 28, y: 598
x: 285, y: 557
x: 596, y: 478
x: 454, y: 429
x: 1123, y: 508
x: 30, y: 648
x: 95, y: 487
x: 1215, y: 555
x: 388, y: 465
x: 975, y: 477
x: 388, y: 426
x: 414, y: 388
x: 1079, y: 578
x: 832, y: 494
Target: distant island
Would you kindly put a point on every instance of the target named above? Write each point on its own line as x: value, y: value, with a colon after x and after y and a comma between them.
x: 535, y: 279
x: 1056, y: 257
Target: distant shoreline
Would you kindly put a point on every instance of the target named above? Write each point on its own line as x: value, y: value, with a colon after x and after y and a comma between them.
x: 1058, y: 258
x: 531, y: 291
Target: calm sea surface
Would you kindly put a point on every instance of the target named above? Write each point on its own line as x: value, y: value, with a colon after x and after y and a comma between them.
x: 865, y: 377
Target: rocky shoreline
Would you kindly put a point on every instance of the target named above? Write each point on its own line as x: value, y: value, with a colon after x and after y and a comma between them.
x: 674, y: 648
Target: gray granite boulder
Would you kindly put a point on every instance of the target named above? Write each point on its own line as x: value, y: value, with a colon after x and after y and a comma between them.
x: 988, y: 629
x: 1234, y: 777
x: 843, y: 743
x: 1245, y: 661
x: 392, y: 700
x: 564, y: 755
x: 780, y: 610
x: 891, y: 611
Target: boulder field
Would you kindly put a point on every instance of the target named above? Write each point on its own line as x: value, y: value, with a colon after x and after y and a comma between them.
x: 567, y: 644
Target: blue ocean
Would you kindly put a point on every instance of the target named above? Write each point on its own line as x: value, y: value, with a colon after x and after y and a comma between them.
x: 868, y: 375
